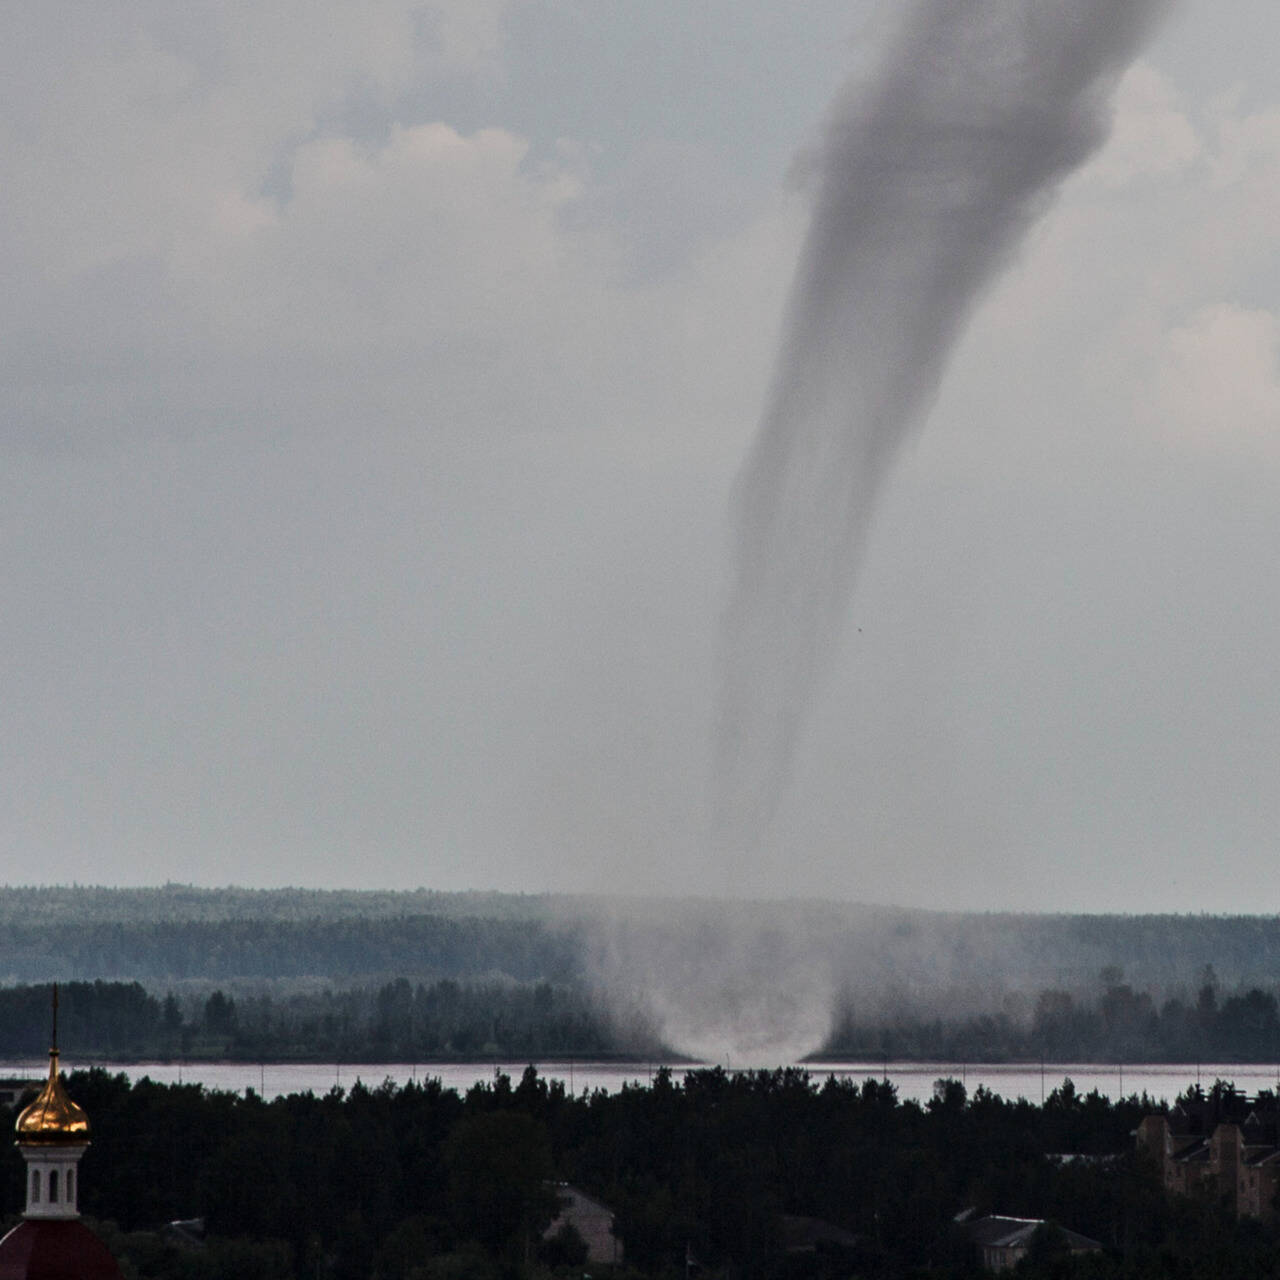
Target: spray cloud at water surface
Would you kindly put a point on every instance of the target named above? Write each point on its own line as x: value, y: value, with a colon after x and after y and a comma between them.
x: 931, y: 171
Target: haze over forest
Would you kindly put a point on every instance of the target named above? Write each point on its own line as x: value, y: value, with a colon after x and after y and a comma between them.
x: 761, y: 982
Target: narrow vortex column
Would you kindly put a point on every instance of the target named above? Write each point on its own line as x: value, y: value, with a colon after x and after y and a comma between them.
x: 52, y: 1134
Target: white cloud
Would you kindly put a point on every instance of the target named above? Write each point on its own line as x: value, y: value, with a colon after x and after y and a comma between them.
x: 1220, y: 381
x: 1151, y: 136
x: 1248, y: 143
x: 122, y: 127
x: 433, y: 233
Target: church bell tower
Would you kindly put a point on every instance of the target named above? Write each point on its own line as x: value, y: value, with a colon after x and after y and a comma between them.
x: 51, y: 1243
x: 53, y: 1133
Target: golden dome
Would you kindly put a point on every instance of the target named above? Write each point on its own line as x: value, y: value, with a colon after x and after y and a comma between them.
x: 53, y: 1119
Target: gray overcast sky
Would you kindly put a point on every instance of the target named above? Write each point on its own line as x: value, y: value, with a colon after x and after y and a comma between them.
x: 373, y: 380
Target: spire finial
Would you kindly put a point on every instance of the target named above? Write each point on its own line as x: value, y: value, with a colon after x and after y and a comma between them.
x: 52, y: 1120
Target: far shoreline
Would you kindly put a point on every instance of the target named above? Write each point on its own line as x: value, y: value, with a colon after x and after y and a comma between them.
x: 83, y: 1061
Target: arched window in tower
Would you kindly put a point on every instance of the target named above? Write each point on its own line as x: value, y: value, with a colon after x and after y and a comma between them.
x: 71, y: 1186
x: 35, y: 1186
x: 53, y: 1186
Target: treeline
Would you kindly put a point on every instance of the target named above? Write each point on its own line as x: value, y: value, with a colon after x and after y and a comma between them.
x: 426, y: 946
x: 395, y: 1022
x: 1120, y: 1024
x: 418, y: 1183
x: 101, y: 904
x: 92, y: 931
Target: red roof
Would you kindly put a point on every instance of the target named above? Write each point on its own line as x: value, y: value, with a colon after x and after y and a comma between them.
x: 55, y: 1249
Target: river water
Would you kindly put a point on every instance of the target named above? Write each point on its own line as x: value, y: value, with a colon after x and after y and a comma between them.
x: 913, y: 1079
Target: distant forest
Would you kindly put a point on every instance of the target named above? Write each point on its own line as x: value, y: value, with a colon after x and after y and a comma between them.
x: 98, y: 904
x: 353, y: 946
x: 92, y: 932
x: 396, y: 1022
x: 1120, y: 1025
x: 306, y: 972
x: 448, y: 1020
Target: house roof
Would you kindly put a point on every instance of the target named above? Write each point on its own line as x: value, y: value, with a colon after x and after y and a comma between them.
x: 55, y: 1249
x: 998, y: 1232
x: 574, y: 1201
x: 804, y: 1235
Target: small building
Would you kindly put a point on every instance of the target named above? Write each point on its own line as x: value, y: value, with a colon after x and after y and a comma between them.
x: 592, y: 1220
x: 1236, y: 1162
x: 1003, y: 1242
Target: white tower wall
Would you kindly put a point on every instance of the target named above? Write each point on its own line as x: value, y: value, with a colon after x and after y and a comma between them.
x: 53, y: 1182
